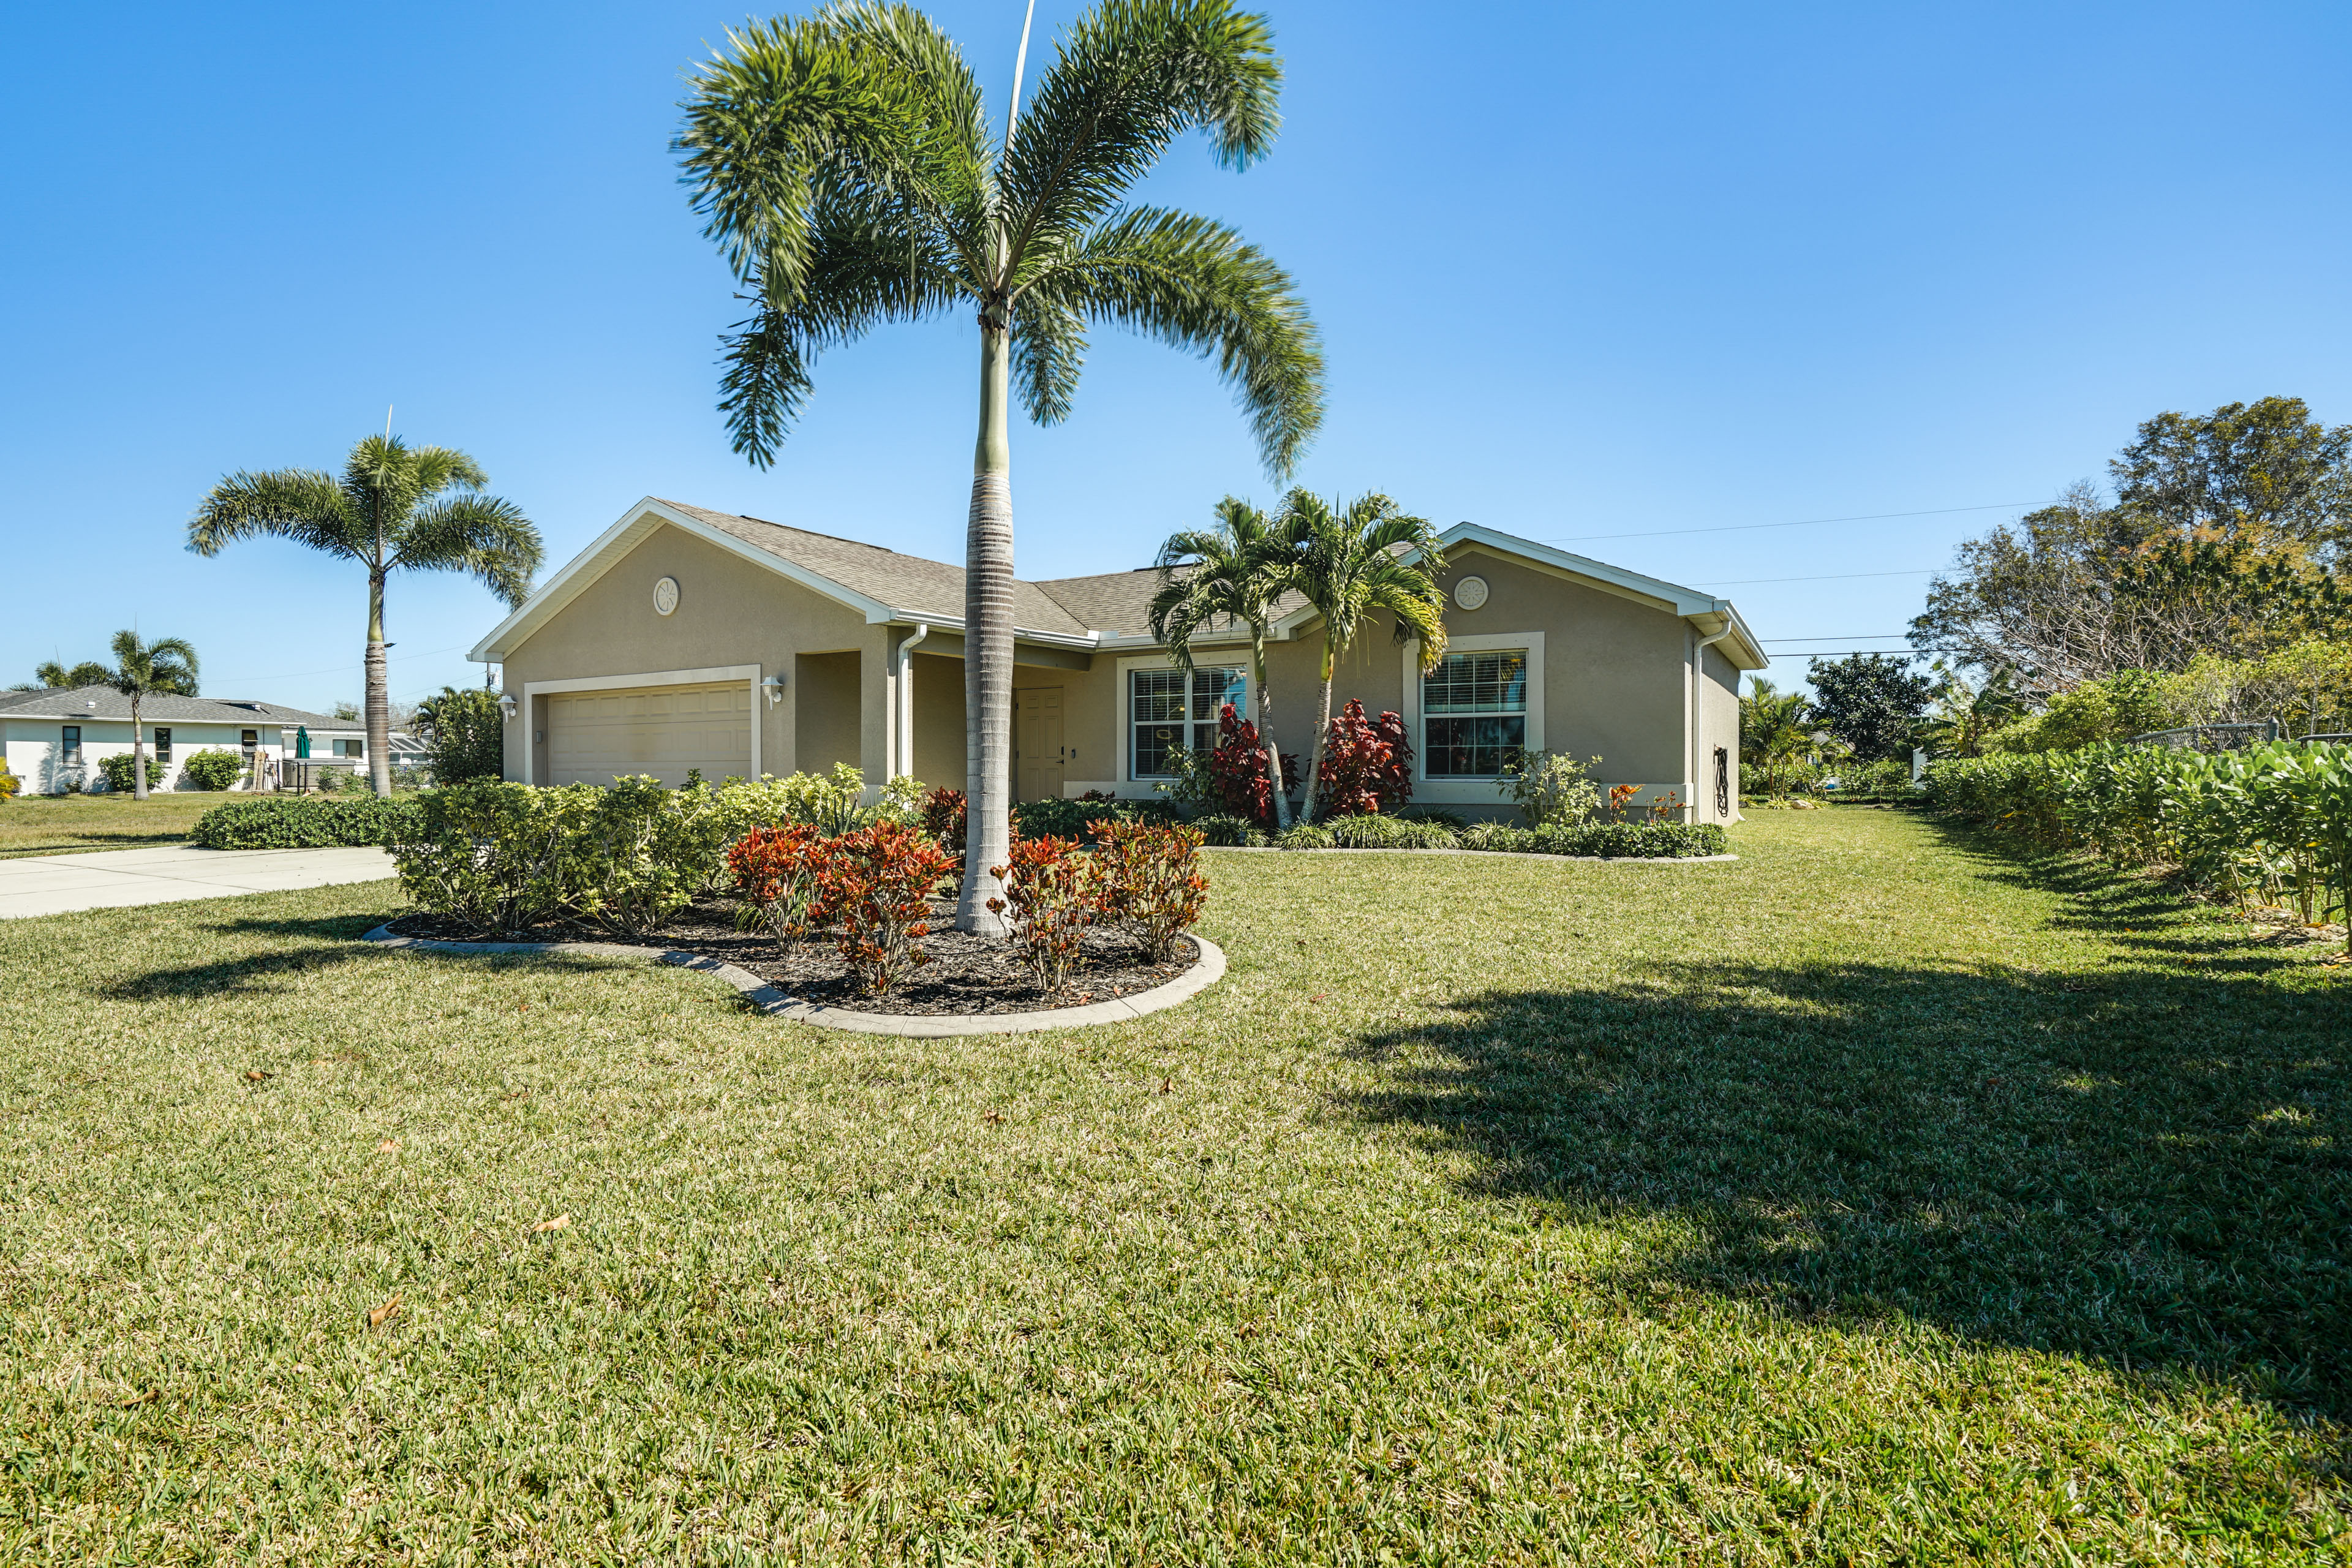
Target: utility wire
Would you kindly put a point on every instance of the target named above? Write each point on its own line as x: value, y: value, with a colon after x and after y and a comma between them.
x: 1800, y: 523
x: 1826, y: 577
x: 338, y: 669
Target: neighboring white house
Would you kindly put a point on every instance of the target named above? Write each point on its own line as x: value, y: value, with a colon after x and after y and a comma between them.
x: 55, y: 738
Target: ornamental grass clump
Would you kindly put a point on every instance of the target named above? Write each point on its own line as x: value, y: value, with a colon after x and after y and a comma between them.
x: 779, y: 875
x: 1049, y: 893
x: 875, y: 888
x: 1151, y: 882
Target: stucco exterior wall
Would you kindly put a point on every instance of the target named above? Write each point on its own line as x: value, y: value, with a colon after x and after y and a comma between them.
x: 30, y: 747
x: 728, y: 612
x: 1719, y: 726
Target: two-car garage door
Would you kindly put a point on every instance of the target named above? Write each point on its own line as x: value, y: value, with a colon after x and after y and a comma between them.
x: 665, y: 730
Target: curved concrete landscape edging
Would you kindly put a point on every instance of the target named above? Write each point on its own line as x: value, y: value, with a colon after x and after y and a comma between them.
x: 775, y: 1003
x: 1491, y: 853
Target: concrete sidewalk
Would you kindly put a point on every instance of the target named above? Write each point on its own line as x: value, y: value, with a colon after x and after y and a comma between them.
x: 112, y: 879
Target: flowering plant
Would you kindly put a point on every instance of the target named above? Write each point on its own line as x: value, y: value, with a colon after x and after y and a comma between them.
x: 875, y: 888
x: 1151, y: 882
x: 1054, y: 893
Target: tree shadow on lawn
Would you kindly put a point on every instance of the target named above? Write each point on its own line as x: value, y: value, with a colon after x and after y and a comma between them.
x: 2149, y: 1166
x: 307, y: 946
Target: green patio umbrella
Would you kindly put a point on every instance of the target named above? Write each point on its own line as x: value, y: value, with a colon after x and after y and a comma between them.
x: 302, y: 740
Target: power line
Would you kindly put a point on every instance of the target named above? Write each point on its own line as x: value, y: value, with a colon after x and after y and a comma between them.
x: 1858, y: 637
x: 338, y: 669
x: 1800, y: 523
x: 1826, y: 577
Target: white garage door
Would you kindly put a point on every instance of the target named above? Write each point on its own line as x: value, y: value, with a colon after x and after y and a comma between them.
x: 594, y: 736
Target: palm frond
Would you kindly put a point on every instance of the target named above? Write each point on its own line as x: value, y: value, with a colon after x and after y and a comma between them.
x: 1049, y: 349
x: 141, y: 669
x: 1129, y: 79
x: 1194, y: 283
x: 300, y: 504
x: 485, y: 537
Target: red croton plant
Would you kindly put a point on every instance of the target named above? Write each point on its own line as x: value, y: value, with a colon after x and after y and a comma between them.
x: 1237, y: 770
x: 777, y: 871
x: 1151, y: 882
x: 1367, y: 764
x: 1054, y: 892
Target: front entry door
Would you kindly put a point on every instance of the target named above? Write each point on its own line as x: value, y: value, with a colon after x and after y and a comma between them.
x: 1038, y: 753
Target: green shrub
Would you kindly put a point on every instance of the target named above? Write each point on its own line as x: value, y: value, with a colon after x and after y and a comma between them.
x: 295, y: 822
x: 642, y: 852
x: 463, y: 734
x: 1450, y: 819
x: 832, y: 804
x: 498, y: 856
x: 1229, y: 832
x: 1384, y: 832
x: 117, y: 768
x: 1304, y: 836
x: 1070, y: 818
x: 1551, y: 788
x: 9, y: 784
x: 214, y: 769
x: 1637, y: 840
x: 1498, y: 835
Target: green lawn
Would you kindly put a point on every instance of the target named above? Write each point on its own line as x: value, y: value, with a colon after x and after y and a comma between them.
x: 72, y: 824
x: 1879, y: 1198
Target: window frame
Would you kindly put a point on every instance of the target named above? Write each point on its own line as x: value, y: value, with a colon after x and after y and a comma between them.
x: 69, y: 744
x: 1128, y: 667
x: 163, y: 742
x: 1455, y: 787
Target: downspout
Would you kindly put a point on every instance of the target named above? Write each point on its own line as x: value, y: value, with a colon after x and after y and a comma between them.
x: 902, y: 722
x: 1698, y: 690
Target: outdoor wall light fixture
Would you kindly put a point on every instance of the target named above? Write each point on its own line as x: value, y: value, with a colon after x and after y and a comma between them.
x: 773, y: 690
x: 508, y: 707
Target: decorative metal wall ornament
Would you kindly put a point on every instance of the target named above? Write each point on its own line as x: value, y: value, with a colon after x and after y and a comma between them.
x: 665, y: 595
x: 1470, y: 593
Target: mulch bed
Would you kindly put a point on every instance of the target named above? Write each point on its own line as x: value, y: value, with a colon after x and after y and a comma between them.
x: 967, y: 973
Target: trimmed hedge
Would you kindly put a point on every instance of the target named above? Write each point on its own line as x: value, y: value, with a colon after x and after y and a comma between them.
x: 297, y: 822
x: 1070, y: 818
x: 1604, y: 840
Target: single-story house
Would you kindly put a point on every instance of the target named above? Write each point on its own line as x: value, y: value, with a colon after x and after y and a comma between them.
x: 686, y: 639
x: 53, y: 738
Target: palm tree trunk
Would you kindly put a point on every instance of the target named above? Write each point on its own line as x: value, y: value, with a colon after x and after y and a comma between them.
x: 1322, y: 729
x: 138, y: 752
x: 988, y: 641
x: 1265, y: 737
x: 379, y: 717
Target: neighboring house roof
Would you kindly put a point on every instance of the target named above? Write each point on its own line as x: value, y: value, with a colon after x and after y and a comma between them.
x: 1082, y: 612
x: 104, y: 703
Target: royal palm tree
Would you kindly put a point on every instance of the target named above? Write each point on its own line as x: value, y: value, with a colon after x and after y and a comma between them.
x: 846, y: 170
x: 142, y: 669
x: 396, y: 506
x: 1227, y: 574
x: 1350, y: 561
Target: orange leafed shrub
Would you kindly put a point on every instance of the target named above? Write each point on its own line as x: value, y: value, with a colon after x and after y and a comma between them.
x: 779, y: 871
x: 875, y: 888
x: 1151, y: 882
x: 1054, y: 892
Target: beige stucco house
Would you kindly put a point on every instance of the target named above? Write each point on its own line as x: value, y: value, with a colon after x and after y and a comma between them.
x: 692, y: 639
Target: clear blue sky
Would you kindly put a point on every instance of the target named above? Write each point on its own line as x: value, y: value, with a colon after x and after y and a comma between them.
x: 1581, y: 270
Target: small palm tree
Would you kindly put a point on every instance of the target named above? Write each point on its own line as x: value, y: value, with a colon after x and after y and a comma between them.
x: 1228, y: 574
x: 1772, y: 729
x: 142, y: 669
x: 89, y: 672
x: 1348, y: 563
x: 847, y: 172
x: 396, y: 507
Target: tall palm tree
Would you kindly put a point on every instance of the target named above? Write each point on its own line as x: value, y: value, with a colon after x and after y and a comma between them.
x: 1231, y: 575
x: 141, y: 669
x: 396, y: 507
x: 844, y: 165
x: 1348, y: 562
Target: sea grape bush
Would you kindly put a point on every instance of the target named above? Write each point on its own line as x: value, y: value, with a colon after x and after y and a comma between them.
x: 1151, y: 882
x: 2271, y: 822
x: 1367, y: 764
x: 1050, y: 893
x: 876, y: 889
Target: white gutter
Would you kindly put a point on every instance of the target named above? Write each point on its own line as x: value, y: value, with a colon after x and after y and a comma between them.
x: 902, y: 721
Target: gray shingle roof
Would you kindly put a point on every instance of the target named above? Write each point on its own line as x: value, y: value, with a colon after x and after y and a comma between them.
x: 1120, y: 601
x: 105, y: 702
x: 907, y: 583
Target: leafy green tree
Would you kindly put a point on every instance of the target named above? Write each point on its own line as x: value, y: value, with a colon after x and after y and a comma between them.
x: 58, y: 677
x: 2262, y: 472
x: 1962, y: 715
x: 1871, y: 701
x: 395, y: 507
x: 1350, y: 562
x: 845, y: 168
x: 463, y: 734
x: 1225, y: 578
x: 143, y: 669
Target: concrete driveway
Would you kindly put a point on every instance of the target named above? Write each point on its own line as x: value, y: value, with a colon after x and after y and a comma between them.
x: 111, y: 878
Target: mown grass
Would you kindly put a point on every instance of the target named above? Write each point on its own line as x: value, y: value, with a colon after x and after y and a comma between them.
x: 1879, y: 1198
x: 72, y: 824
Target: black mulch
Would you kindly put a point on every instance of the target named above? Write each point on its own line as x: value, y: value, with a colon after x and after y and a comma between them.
x: 966, y: 973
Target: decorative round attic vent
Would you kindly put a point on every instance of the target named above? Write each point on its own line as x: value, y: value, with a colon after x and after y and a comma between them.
x: 1470, y: 593
x: 665, y: 595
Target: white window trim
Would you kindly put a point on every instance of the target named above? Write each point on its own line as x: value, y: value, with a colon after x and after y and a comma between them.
x: 1470, y: 791
x: 750, y: 674
x: 1127, y: 704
